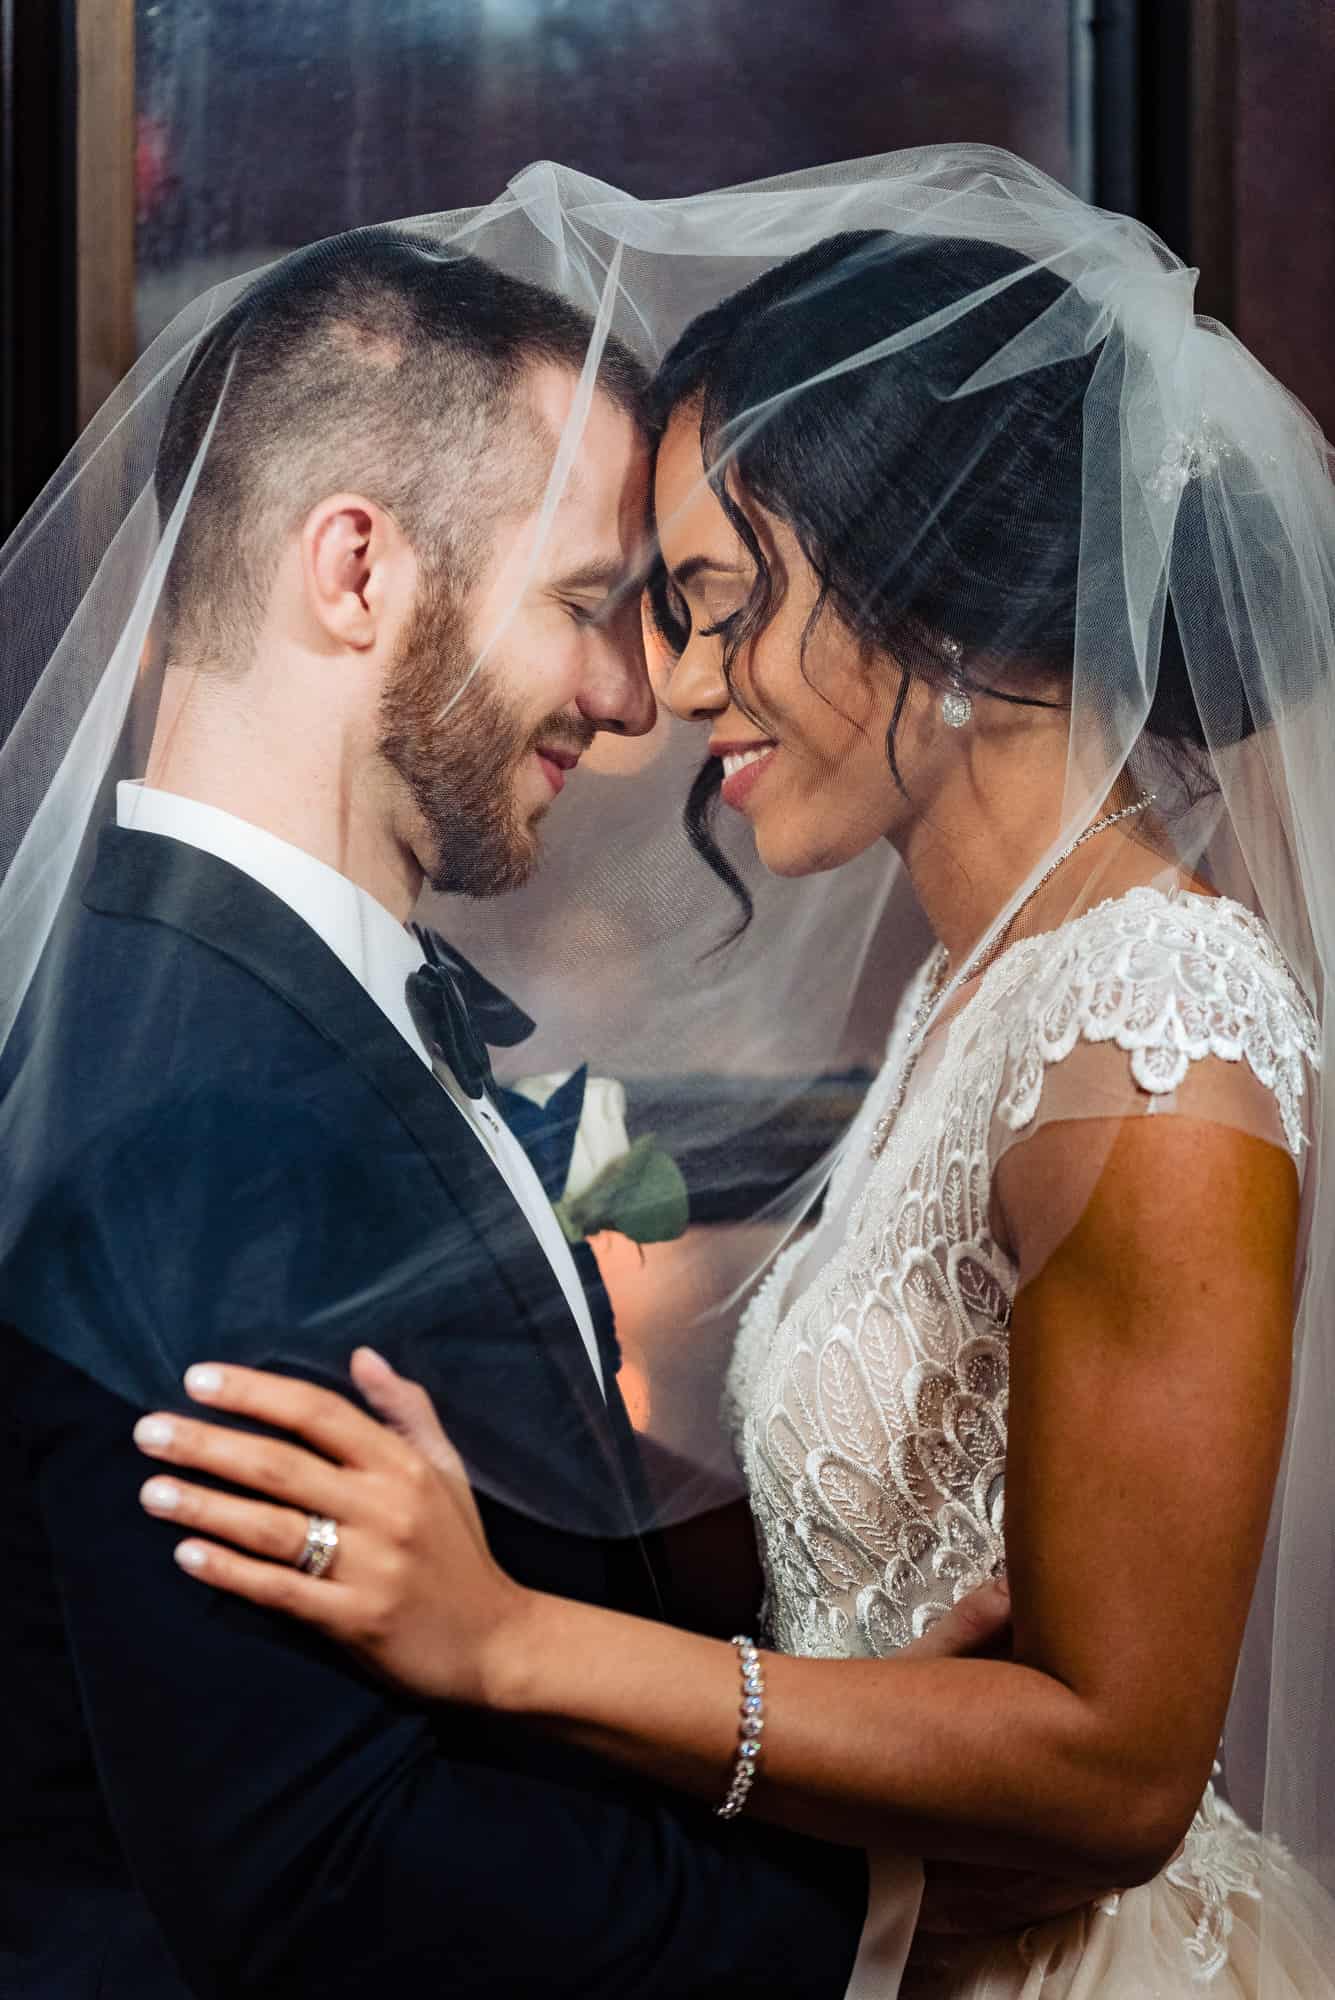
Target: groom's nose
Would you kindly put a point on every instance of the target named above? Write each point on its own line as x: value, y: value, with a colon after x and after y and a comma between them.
x: 615, y: 694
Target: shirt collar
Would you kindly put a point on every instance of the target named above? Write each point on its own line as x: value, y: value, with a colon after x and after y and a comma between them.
x: 369, y: 940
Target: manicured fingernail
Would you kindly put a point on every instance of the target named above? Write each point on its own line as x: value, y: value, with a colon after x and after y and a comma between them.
x: 204, y: 1379
x: 161, y: 1496
x: 192, y: 1556
x: 153, y: 1433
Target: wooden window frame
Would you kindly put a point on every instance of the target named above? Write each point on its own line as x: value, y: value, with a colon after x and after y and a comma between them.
x: 105, y: 198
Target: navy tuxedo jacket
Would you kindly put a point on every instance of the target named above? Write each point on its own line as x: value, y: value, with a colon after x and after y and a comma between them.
x: 216, y: 1147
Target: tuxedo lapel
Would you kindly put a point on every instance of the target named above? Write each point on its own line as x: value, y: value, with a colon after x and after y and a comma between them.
x: 166, y: 881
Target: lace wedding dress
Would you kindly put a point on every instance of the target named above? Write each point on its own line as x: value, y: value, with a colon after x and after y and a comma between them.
x: 870, y: 1408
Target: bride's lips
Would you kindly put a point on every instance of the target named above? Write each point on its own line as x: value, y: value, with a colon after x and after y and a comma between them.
x: 555, y: 763
x: 741, y: 779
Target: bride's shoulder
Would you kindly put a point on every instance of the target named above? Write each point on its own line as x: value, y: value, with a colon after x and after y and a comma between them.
x: 1172, y: 980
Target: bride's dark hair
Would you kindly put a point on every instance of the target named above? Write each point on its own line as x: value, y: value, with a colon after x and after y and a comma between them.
x: 929, y: 511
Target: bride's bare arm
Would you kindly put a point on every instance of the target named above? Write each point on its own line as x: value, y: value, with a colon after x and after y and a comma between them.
x: 1150, y: 1369
x: 1150, y: 1373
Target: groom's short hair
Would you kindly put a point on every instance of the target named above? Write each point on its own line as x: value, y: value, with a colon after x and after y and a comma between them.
x: 375, y: 362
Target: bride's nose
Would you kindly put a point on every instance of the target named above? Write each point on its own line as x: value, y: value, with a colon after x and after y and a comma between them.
x: 696, y: 690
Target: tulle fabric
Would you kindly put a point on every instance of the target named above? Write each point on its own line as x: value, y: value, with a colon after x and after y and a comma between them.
x: 1202, y: 491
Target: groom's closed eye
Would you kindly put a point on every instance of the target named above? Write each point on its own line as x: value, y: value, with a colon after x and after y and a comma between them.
x: 586, y: 613
x: 596, y: 592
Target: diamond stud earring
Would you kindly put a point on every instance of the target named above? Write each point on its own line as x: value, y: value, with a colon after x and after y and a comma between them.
x: 956, y: 706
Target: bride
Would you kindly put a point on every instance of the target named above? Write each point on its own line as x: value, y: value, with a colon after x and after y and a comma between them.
x: 974, y: 543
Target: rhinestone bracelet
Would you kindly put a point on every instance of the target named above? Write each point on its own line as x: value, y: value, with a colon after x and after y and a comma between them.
x: 752, y: 1727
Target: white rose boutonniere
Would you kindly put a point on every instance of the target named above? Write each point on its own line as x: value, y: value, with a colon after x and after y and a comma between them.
x: 608, y: 1181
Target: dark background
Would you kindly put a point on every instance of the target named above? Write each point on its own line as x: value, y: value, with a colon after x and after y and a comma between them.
x: 258, y: 124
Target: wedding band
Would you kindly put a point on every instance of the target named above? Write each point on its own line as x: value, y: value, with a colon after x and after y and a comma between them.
x: 321, y: 1545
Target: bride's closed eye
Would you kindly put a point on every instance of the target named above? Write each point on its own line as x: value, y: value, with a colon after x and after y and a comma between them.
x: 718, y: 612
x: 586, y: 614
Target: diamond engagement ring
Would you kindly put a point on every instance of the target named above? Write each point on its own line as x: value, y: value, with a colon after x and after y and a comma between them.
x: 321, y: 1545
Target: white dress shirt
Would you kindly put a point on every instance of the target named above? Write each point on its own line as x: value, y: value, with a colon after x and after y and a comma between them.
x: 381, y: 955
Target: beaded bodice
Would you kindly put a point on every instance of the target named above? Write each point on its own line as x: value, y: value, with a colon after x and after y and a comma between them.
x: 870, y: 1408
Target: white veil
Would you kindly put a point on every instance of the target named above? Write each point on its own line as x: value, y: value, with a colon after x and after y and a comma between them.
x: 1195, y: 623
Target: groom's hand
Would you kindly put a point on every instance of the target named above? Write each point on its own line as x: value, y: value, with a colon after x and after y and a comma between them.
x: 979, y: 1625
x: 969, y: 1899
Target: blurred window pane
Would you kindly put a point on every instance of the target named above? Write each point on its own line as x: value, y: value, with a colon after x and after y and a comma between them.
x: 263, y: 124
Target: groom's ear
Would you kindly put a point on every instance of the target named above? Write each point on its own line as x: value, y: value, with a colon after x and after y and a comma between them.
x: 356, y: 566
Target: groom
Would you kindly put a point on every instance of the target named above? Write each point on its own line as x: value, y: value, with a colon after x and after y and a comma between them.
x: 235, y: 1124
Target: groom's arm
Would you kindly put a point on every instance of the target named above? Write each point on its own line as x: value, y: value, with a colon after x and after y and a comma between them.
x: 295, y: 1828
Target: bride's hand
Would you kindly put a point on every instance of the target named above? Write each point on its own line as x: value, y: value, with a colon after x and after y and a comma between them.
x: 412, y: 1589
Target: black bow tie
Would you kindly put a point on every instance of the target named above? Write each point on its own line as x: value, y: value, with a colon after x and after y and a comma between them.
x: 457, y: 1013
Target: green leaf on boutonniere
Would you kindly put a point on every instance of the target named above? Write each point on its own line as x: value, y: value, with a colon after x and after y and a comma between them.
x: 641, y: 1195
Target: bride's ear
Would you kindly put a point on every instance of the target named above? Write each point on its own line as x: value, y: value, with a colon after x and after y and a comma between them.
x: 357, y: 570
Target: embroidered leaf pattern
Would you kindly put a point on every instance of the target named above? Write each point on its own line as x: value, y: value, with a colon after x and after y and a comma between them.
x: 836, y: 1556
x: 953, y: 1204
x: 981, y: 1290
x: 847, y: 1410
x: 860, y: 1503
x: 984, y: 1366
x: 883, y: 1358
x: 927, y: 1307
x: 883, y: 1623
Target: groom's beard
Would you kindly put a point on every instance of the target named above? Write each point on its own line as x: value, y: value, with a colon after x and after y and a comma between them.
x: 458, y: 747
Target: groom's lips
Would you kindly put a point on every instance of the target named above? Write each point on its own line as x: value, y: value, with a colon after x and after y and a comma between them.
x: 555, y: 763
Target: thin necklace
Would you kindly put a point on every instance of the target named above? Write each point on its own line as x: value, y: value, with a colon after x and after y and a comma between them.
x: 940, y: 970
